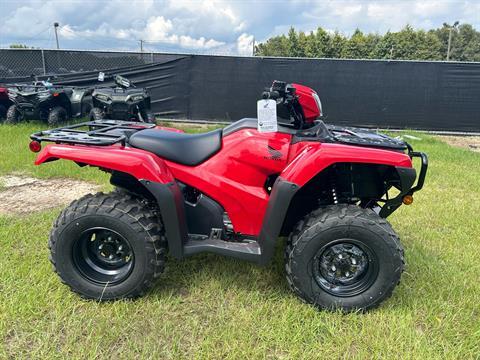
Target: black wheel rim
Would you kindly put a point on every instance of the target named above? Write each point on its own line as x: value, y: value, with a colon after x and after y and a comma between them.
x: 345, y: 267
x: 103, y: 256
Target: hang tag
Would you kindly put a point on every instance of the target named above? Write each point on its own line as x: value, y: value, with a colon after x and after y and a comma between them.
x: 267, y: 115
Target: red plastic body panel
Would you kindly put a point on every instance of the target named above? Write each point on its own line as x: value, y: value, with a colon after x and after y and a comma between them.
x: 307, y: 159
x: 234, y: 177
x: 138, y: 163
x: 307, y: 102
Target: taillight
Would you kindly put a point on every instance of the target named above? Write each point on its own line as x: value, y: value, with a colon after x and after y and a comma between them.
x: 35, y: 146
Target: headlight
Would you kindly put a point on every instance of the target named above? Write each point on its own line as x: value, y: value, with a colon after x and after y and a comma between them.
x: 103, y: 97
x: 136, y: 97
x: 319, y: 103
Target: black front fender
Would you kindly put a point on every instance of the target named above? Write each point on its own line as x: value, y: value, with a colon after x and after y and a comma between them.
x: 278, y: 204
x: 170, y: 201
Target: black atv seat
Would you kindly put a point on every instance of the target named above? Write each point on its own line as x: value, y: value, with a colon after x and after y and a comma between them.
x: 186, y: 149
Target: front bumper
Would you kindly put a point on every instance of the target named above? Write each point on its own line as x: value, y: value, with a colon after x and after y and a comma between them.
x: 423, y: 170
x: 407, y: 179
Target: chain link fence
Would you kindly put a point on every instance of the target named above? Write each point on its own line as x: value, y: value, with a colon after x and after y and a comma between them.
x: 22, y: 63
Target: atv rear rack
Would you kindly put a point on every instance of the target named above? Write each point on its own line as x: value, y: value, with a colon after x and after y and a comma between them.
x: 100, y: 133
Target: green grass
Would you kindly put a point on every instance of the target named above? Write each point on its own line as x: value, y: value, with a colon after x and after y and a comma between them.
x: 213, y: 307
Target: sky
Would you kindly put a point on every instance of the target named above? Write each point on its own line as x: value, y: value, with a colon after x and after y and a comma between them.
x: 211, y: 26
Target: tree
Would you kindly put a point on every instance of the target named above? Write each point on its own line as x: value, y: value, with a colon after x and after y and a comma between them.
x: 466, y: 44
x: 18, y: 46
x: 335, y: 45
x: 406, y: 44
x: 294, y: 49
x: 357, y: 47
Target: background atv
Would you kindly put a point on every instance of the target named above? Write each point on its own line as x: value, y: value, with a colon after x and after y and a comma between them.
x: 121, y: 102
x: 46, y: 102
x: 234, y: 192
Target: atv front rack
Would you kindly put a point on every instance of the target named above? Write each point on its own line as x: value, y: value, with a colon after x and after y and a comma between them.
x: 98, y: 132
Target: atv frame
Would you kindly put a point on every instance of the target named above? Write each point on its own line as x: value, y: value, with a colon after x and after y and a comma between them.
x: 122, y: 102
x: 156, y: 181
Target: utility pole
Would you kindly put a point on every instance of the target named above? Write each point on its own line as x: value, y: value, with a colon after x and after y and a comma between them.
x: 253, y: 47
x: 55, y: 26
x: 451, y: 28
x: 141, y: 45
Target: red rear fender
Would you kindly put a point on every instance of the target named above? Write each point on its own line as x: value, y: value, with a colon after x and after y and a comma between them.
x: 309, y: 160
x: 138, y: 163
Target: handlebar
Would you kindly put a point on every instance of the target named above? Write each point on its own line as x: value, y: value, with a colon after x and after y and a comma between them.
x: 267, y: 94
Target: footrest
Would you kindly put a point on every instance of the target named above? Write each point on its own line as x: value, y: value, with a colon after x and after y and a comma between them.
x: 241, y: 250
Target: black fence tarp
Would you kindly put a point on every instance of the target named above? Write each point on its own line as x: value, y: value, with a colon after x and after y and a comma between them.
x: 384, y: 94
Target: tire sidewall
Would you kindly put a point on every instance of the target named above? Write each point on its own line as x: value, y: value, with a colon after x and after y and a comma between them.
x: 68, y: 269
x: 377, y: 241
x: 13, y: 115
x: 96, y: 114
x: 57, y: 115
x: 150, y: 117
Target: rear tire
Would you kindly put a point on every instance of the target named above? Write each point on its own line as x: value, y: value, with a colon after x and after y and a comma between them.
x: 343, y: 257
x: 13, y: 115
x: 108, y: 246
x: 96, y: 114
x: 148, y: 117
x: 57, y: 115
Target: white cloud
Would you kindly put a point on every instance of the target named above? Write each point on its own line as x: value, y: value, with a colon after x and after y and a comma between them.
x: 245, y: 44
x: 218, y: 26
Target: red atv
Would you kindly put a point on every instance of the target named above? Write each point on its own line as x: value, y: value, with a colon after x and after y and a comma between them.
x: 234, y: 192
x: 4, y: 102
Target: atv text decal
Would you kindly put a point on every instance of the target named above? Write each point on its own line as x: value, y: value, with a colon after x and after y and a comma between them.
x: 274, y: 154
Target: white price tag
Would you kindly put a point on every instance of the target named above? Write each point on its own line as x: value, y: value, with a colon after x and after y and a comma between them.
x: 267, y: 115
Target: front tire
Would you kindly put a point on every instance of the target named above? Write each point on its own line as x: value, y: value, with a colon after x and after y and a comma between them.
x: 13, y: 115
x: 108, y: 246
x: 57, y: 115
x: 96, y: 114
x: 343, y: 257
x: 148, y: 117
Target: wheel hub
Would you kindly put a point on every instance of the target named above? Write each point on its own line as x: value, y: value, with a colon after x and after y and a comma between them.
x: 344, y: 268
x: 112, y: 251
x: 343, y: 263
x: 103, y: 256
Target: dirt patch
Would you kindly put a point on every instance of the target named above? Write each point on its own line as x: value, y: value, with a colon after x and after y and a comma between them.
x: 23, y: 195
x: 466, y: 142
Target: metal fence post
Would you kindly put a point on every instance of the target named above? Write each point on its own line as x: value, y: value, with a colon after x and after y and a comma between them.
x: 43, y: 63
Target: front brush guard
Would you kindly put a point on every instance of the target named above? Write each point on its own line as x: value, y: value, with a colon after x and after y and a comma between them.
x: 407, y: 179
